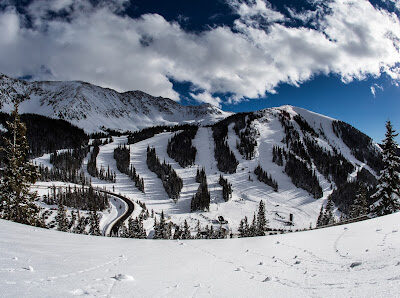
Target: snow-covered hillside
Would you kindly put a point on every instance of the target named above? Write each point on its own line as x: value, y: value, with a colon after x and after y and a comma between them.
x: 247, y: 189
x: 91, y: 107
x: 356, y: 260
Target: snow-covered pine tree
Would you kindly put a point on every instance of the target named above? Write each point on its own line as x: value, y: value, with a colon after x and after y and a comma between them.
x: 61, y: 218
x: 72, y: 222
x: 141, y: 231
x: 161, y: 229
x: 132, y: 228
x: 320, y: 220
x: 388, y: 193
x: 94, y: 222
x: 186, y: 231
x: 123, y: 231
x: 261, y: 220
x: 360, y: 205
x: 198, y: 229
x: 328, y: 217
x: 253, y: 227
x: 16, y: 200
x: 80, y: 227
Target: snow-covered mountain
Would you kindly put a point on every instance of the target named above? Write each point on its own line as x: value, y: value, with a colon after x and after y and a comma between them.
x: 92, y: 107
x: 319, y: 157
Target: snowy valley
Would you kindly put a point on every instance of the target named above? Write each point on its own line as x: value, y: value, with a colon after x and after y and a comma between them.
x: 195, y: 173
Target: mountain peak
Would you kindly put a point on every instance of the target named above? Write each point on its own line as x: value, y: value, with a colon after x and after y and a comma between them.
x: 92, y: 107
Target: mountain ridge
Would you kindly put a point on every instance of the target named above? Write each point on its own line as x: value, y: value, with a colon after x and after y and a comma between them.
x: 92, y: 107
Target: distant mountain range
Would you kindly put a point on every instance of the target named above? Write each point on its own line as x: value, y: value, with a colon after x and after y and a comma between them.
x: 92, y: 107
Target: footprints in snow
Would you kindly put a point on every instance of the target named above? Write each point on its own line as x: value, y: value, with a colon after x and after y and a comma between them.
x: 123, y: 277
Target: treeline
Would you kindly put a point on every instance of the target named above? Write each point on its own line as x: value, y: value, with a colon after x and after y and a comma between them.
x: 171, y: 181
x: 302, y: 176
x: 277, y: 155
x: 258, y: 226
x: 150, y: 132
x: 134, y: 229
x: 92, y: 169
x: 361, y: 145
x: 246, y: 133
x: 304, y: 126
x: 266, y: 178
x: 332, y: 165
x: 83, y: 198
x: 46, y: 135
x: 66, y: 167
x: 345, y: 194
x: 226, y: 160
x: 169, y: 230
x: 70, y: 160
x: 298, y: 169
x: 122, y: 158
x: 180, y: 147
x: 76, y: 223
x: 56, y: 174
x: 201, y: 200
x: 226, y: 188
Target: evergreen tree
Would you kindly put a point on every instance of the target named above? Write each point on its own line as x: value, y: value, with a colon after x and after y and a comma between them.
x: 94, y: 223
x: 261, y: 220
x: 388, y: 193
x: 360, y: 206
x: 253, y: 227
x: 328, y: 217
x: 131, y: 228
x: 61, y: 218
x: 320, y: 220
x: 16, y: 201
x: 198, y: 229
x: 80, y: 227
x: 186, y: 231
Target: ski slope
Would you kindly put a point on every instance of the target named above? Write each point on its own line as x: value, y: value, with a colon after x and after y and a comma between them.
x: 247, y: 190
x: 355, y: 260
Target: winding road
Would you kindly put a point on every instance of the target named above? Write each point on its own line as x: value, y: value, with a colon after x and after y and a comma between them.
x: 111, y: 228
x: 114, y: 225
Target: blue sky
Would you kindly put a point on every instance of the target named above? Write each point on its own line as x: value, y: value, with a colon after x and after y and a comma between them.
x: 340, y: 58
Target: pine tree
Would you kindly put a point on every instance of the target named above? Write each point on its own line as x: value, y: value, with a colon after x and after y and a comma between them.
x: 16, y: 201
x: 388, y: 193
x: 360, y: 206
x: 131, y: 228
x: 94, y: 223
x: 261, y: 220
x: 328, y: 217
x: 198, y: 229
x: 253, y: 227
x: 186, y: 231
x: 80, y: 227
x: 320, y: 220
x: 241, y: 229
x: 61, y: 218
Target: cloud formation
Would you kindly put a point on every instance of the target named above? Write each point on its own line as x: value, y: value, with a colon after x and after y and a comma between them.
x: 352, y: 39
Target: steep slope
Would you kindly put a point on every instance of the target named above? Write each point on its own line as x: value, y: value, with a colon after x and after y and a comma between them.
x: 91, y: 107
x: 355, y: 260
x: 315, y: 162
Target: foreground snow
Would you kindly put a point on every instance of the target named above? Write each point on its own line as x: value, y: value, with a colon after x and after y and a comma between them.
x: 360, y: 259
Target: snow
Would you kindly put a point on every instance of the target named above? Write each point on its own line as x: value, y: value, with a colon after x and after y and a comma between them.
x: 247, y: 193
x: 355, y: 260
x: 107, y: 217
x: 92, y: 108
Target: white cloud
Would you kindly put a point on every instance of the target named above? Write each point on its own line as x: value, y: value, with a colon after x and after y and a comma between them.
x: 374, y: 88
x: 251, y: 13
x: 354, y: 40
x: 206, y: 97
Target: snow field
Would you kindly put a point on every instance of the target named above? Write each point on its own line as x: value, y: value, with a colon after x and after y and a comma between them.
x: 355, y: 260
